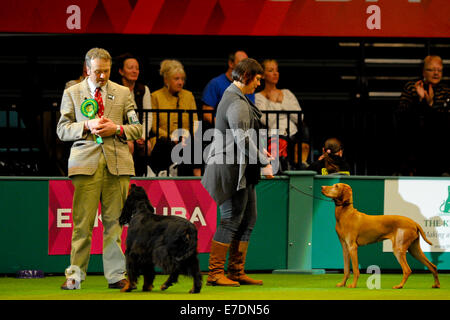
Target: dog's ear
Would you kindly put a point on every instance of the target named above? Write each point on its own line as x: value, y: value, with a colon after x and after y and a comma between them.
x: 131, y: 188
x: 347, y: 194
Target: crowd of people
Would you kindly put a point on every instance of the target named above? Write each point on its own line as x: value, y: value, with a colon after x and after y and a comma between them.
x: 152, y: 153
x: 422, y: 116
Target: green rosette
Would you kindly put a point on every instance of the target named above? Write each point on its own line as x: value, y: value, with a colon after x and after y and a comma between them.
x: 89, y: 108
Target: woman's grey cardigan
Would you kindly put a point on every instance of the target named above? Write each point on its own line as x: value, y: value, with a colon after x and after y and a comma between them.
x: 234, y: 145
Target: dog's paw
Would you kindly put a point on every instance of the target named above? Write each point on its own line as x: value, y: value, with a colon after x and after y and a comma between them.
x: 164, y: 287
x: 127, y: 288
x: 436, y: 286
x: 352, y: 285
x: 340, y: 284
x: 193, y: 290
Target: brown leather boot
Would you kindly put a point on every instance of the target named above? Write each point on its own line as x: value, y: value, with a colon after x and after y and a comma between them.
x: 217, y: 258
x: 236, y: 263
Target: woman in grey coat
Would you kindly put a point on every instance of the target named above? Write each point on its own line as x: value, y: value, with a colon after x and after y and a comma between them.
x: 232, y: 170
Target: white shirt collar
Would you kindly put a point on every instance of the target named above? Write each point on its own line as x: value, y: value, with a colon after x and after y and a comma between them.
x: 92, y: 87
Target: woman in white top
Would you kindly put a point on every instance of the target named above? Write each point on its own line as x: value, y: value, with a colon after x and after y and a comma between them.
x: 273, y: 99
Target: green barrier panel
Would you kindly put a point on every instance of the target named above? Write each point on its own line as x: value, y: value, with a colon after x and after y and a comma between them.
x: 300, y: 216
x: 23, y: 231
x: 295, y: 230
x: 24, y: 228
x: 268, y: 240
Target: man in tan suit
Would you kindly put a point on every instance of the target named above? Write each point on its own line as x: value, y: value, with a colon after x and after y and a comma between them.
x: 99, y: 171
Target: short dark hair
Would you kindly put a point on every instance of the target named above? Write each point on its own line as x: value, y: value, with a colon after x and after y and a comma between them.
x: 246, y: 70
x: 232, y: 56
x: 120, y: 60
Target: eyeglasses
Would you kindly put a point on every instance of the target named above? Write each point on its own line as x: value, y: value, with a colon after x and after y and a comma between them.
x: 434, y: 70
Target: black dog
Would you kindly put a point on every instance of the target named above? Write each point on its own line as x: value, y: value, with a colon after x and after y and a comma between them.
x: 167, y: 242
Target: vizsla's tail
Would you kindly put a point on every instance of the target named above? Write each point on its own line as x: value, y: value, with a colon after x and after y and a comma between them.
x: 423, y: 234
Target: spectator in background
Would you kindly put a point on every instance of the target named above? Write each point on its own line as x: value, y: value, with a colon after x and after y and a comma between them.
x: 128, y: 68
x: 216, y: 87
x: 165, y: 125
x: 81, y: 78
x: 273, y: 99
x: 423, y: 118
x: 332, y: 159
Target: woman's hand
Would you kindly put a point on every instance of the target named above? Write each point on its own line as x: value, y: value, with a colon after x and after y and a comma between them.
x: 267, y: 171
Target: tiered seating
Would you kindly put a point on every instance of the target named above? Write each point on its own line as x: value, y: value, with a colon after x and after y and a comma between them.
x: 346, y: 87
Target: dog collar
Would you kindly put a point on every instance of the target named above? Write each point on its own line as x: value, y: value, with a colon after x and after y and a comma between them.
x: 342, y: 204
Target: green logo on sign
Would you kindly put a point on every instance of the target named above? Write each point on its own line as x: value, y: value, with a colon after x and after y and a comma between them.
x: 445, y: 206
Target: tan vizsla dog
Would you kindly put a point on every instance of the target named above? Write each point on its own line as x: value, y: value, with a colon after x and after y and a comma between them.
x: 355, y: 229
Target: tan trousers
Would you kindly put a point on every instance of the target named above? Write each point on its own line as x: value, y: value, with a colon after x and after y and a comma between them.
x: 111, y: 191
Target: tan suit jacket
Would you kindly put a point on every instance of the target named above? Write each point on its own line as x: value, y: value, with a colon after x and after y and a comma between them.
x: 85, y: 152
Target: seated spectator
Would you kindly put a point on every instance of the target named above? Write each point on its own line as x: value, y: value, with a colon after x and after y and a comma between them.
x: 290, y: 138
x: 423, y: 116
x: 212, y: 94
x: 172, y: 96
x: 80, y: 78
x: 331, y: 161
x: 129, y: 72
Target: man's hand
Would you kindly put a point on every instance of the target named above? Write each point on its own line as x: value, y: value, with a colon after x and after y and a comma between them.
x: 424, y: 94
x: 104, y: 128
x: 429, y: 95
x: 91, y: 124
x: 207, y: 116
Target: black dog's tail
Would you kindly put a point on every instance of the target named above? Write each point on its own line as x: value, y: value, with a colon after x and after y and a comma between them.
x: 188, y: 241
